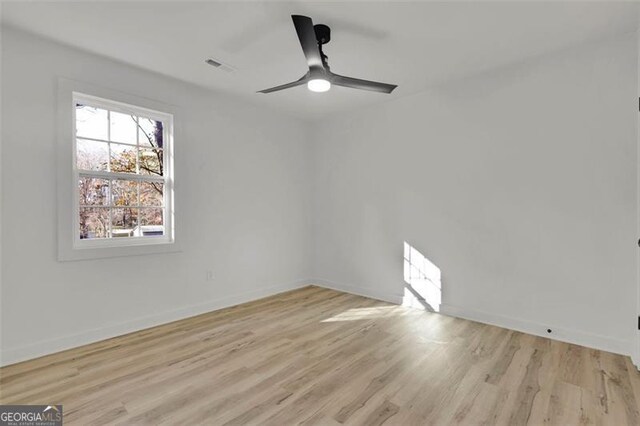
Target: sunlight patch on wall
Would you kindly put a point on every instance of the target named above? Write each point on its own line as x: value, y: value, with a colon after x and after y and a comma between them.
x: 423, y: 287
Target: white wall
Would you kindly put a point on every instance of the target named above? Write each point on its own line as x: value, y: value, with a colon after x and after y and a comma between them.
x: 519, y: 184
x: 1, y: 119
x: 242, y: 185
x: 636, y: 356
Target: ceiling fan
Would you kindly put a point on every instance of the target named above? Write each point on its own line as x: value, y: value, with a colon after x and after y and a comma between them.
x: 319, y: 78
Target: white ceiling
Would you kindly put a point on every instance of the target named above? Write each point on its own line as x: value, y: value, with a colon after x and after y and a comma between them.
x: 412, y: 44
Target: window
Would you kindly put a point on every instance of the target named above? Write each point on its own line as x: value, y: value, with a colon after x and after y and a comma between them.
x: 123, y: 182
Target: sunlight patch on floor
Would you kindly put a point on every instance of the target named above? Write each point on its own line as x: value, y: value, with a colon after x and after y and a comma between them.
x: 364, y: 313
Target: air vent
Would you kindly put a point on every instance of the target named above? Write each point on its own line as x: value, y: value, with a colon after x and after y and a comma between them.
x: 213, y: 63
x: 219, y: 65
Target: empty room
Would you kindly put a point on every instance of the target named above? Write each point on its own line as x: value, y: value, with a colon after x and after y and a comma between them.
x: 319, y: 213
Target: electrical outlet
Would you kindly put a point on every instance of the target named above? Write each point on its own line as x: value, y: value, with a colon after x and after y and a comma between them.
x: 210, y: 275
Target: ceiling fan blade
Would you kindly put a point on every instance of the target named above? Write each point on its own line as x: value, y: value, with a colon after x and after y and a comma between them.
x: 307, y: 37
x: 298, y: 82
x: 356, y: 83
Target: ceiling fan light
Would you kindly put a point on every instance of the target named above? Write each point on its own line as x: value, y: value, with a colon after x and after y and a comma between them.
x: 318, y: 85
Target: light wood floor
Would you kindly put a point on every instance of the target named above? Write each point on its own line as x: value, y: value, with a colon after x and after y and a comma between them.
x: 316, y: 356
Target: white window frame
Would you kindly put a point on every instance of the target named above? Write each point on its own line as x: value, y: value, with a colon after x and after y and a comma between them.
x: 166, y: 179
x: 70, y: 246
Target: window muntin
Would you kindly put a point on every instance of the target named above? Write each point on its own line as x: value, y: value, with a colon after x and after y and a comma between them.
x: 122, y: 174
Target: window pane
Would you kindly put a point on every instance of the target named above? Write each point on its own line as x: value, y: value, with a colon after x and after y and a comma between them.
x: 151, y: 162
x: 94, y: 222
x: 92, y: 155
x: 123, y: 127
x: 150, y: 132
x: 123, y: 158
x: 126, y: 202
x: 151, y: 223
x: 123, y: 222
x: 124, y: 193
x: 91, y: 122
x: 93, y: 191
x: 151, y: 193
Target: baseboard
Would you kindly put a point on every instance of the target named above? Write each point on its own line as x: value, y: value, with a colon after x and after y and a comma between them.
x: 636, y: 361
x: 358, y: 290
x: 595, y: 341
x: 47, y: 347
x: 635, y: 356
x: 581, y: 338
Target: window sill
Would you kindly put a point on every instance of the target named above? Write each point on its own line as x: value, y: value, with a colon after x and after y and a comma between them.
x: 121, y: 242
x: 101, y: 252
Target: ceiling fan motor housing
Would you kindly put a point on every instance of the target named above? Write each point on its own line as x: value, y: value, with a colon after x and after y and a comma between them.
x: 323, y: 33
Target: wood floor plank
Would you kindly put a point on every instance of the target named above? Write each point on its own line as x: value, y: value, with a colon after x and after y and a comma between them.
x: 320, y: 357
